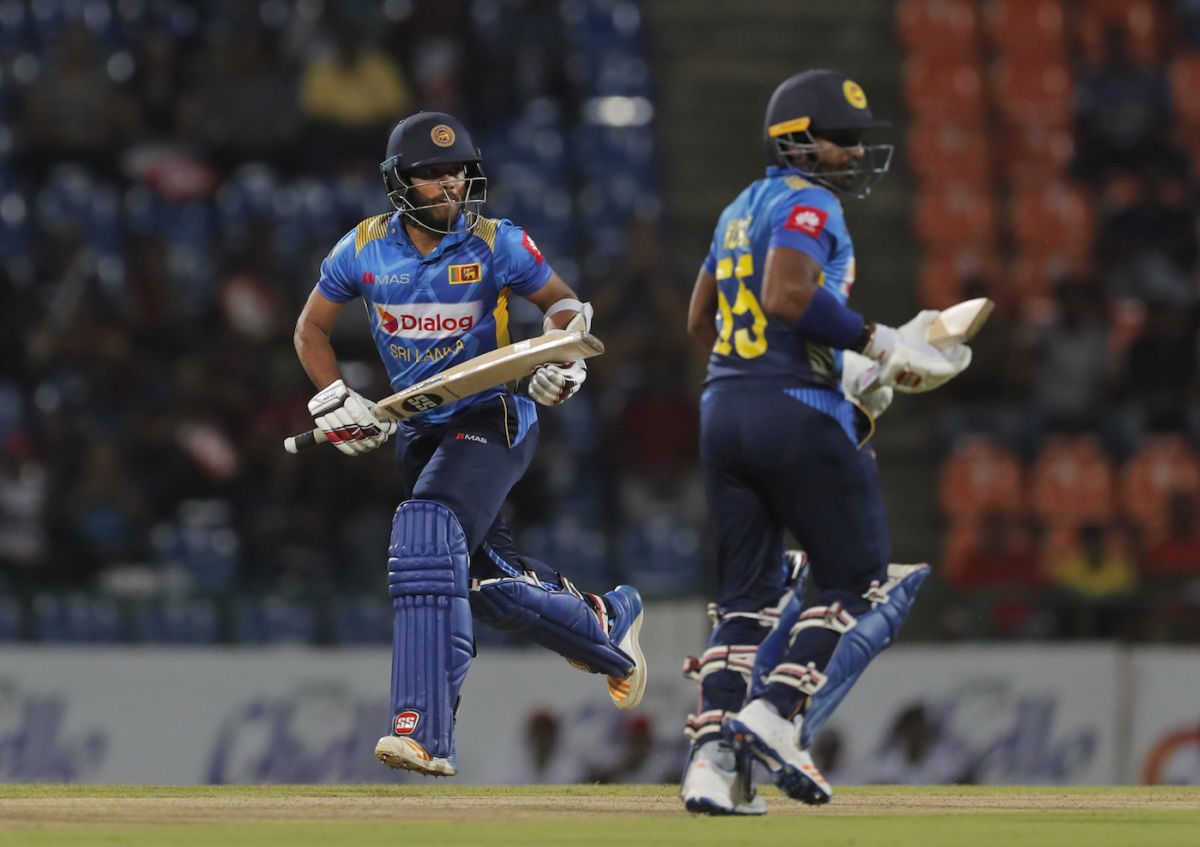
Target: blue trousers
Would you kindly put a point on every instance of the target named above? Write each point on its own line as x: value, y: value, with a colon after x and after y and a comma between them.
x: 774, y: 464
x: 469, y: 465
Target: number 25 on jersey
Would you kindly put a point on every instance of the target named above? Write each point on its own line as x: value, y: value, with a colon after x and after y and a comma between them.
x: 749, y: 342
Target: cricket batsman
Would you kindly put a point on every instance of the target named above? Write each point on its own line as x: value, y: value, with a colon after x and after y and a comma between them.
x: 435, y: 277
x: 783, y: 448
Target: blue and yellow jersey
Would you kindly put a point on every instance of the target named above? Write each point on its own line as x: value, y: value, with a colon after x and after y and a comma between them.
x: 429, y: 313
x: 782, y: 210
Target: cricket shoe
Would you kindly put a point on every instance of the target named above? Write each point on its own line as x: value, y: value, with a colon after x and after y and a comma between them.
x: 406, y: 754
x: 775, y: 740
x: 627, y: 614
x: 714, y: 784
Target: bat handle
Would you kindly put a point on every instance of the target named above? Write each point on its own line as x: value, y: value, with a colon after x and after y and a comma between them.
x: 294, y: 444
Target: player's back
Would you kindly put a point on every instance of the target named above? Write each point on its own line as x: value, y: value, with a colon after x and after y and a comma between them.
x: 781, y: 210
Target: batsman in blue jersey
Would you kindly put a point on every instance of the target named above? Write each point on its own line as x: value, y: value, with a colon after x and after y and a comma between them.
x: 435, y: 277
x: 795, y: 380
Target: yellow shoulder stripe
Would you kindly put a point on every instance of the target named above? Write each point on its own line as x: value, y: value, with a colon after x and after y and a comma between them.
x: 797, y: 182
x: 369, y: 230
x: 486, y: 229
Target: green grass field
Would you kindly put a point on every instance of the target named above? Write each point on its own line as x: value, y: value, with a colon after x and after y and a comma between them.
x: 297, y: 816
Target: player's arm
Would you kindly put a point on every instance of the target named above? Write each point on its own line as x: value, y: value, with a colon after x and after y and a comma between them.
x: 552, y: 385
x: 702, y: 310
x: 350, y: 421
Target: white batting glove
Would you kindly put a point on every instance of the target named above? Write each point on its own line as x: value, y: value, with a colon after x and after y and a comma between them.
x: 553, y: 385
x: 350, y: 421
x: 909, y: 362
x: 860, y: 384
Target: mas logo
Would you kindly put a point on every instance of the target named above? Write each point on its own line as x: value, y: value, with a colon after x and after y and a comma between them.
x: 807, y: 219
x: 406, y: 722
x: 854, y: 94
x: 465, y: 274
x: 442, y: 135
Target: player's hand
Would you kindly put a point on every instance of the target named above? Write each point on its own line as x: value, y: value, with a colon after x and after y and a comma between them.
x: 910, y: 363
x: 350, y: 421
x: 553, y: 385
x: 860, y: 384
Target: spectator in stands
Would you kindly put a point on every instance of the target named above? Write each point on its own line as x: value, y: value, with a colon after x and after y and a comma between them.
x: 1070, y: 360
x: 1121, y: 112
x: 23, y: 499
x: 1161, y: 368
x: 1002, y: 556
x: 1177, y: 556
x: 247, y: 103
x: 1096, y: 578
x: 351, y: 95
x: 73, y: 113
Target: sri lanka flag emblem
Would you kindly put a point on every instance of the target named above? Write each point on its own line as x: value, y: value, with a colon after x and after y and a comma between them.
x: 464, y: 274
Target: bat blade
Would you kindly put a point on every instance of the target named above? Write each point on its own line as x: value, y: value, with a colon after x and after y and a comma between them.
x: 473, y: 376
x: 960, y: 323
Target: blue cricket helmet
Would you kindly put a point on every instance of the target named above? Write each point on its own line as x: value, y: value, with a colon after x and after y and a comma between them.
x: 825, y: 104
x: 431, y: 138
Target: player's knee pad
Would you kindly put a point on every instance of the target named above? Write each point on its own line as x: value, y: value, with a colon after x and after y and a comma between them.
x: 561, y: 619
x: 873, y: 630
x: 433, y: 637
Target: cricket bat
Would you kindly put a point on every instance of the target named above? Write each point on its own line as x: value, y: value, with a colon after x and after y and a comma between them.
x: 479, y: 374
x: 955, y: 325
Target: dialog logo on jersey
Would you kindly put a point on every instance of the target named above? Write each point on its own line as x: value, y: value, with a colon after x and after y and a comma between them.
x: 429, y: 320
x: 465, y: 274
x: 807, y: 219
x: 406, y: 722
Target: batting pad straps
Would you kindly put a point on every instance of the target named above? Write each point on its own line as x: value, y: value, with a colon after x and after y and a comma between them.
x: 833, y: 616
x: 874, y: 631
x: 804, y: 678
x: 701, y: 727
x: 733, y: 657
x: 573, y: 305
x: 433, y: 639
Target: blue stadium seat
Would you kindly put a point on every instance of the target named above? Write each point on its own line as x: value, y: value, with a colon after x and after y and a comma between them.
x: 272, y: 620
x: 10, y: 619
x: 362, y: 620
x: 61, y: 618
x: 175, y: 621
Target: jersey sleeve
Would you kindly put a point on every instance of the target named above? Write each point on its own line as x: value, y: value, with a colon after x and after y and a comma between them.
x: 339, y: 280
x: 522, y: 266
x: 807, y: 220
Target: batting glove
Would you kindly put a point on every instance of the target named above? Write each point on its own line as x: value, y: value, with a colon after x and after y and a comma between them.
x: 860, y: 384
x: 909, y: 362
x: 553, y: 385
x: 350, y: 421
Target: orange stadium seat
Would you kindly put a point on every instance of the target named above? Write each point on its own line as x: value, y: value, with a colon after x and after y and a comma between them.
x: 1054, y: 218
x: 1072, y: 482
x: 941, y: 91
x: 1033, y: 93
x: 941, y: 29
x: 941, y: 152
x: 1164, y: 465
x: 940, y: 280
x: 955, y: 216
x: 979, y: 476
x: 1035, y: 154
x: 1028, y: 29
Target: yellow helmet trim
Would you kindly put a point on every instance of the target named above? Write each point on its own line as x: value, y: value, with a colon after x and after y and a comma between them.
x: 794, y: 125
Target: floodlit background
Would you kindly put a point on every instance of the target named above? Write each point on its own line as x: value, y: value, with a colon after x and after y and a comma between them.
x: 172, y: 173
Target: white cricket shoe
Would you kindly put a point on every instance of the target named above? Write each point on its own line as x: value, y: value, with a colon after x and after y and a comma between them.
x: 405, y: 754
x: 628, y: 612
x: 714, y: 785
x: 775, y: 740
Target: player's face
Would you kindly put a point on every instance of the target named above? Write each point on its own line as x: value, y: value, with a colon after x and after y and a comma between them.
x: 837, y: 151
x: 437, y: 192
